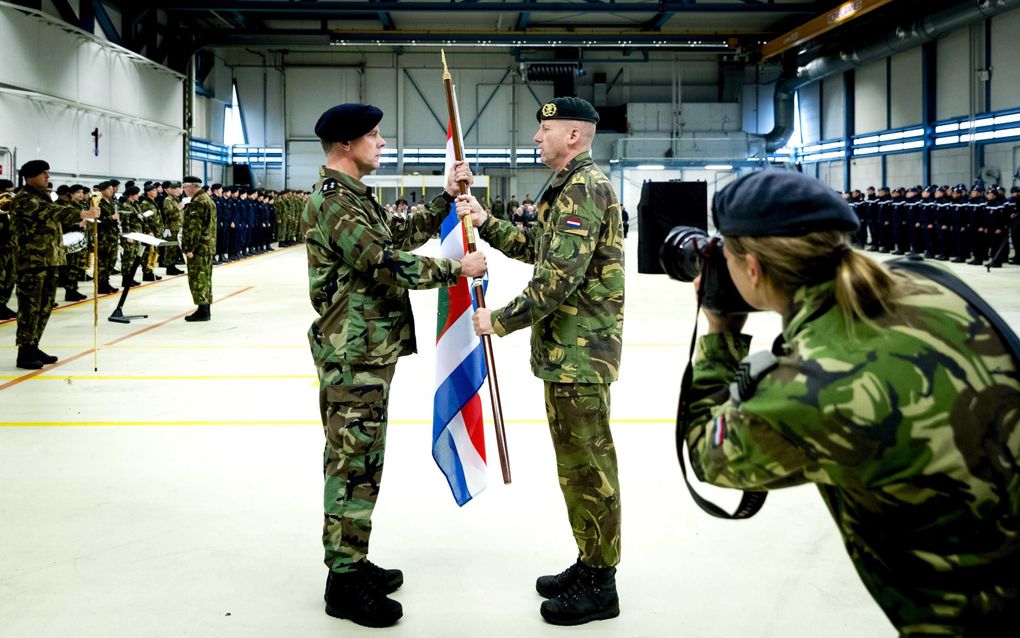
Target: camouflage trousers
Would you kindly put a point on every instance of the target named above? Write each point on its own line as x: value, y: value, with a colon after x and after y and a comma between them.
x: 37, y: 288
x: 200, y: 279
x: 353, y: 403
x: 7, y: 276
x: 127, y: 260
x: 109, y: 248
x: 586, y: 462
x: 74, y: 269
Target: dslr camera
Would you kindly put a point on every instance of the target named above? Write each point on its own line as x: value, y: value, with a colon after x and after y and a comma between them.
x: 688, y: 252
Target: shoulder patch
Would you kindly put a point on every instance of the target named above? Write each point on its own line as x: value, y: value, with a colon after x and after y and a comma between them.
x: 329, y: 186
x: 752, y: 369
x: 574, y: 224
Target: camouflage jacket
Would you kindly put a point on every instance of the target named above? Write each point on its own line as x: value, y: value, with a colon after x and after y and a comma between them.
x: 109, y: 228
x: 911, y: 432
x: 198, y: 236
x: 172, y: 214
x: 575, y: 297
x: 152, y: 224
x: 130, y: 217
x: 359, y: 271
x: 38, y: 223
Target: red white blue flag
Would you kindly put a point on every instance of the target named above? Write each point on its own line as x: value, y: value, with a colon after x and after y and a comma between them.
x: 458, y: 437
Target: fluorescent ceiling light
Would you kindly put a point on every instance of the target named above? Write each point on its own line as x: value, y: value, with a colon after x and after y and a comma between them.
x: 650, y: 167
x: 719, y: 167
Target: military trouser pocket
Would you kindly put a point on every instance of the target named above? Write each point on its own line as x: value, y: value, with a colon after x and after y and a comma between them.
x: 355, y: 418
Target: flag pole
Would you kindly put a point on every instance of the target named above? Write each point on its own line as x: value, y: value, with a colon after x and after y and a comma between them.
x: 476, y: 285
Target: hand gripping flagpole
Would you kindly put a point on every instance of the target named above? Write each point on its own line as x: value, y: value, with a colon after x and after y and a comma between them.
x: 476, y: 285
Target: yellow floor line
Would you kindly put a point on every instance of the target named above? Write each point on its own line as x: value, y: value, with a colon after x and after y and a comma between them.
x: 63, y: 424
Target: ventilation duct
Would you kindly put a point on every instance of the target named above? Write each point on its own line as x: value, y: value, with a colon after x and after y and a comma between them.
x: 895, y: 41
x: 549, y: 72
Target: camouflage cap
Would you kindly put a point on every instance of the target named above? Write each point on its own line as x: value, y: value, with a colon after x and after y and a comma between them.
x: 780, y: 204
x: 567, y: 108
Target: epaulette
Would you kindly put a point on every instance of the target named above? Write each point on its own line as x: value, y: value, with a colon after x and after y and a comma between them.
x: 329, y: 186
x: 751, y: 371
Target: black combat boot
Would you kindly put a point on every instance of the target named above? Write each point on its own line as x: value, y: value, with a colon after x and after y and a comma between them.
x: 107, y: 289
x: 150, y: 276
x: 47, y: 359
x: 592, y: 596
x: 354, y: 596
x: 6, y: 313
x: 385, y: 580
x: 28, y: 359
x: 130, y: 283
x: 202, y: 314
x: 173, y: 270
x: 553, y: 586
x: 73, y: 295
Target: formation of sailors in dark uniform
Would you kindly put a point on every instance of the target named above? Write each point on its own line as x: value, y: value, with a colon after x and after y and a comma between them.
x: 245, y: 222
x: 975, y: 225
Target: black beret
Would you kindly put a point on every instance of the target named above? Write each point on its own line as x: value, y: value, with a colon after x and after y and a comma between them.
x: 173, y: 185
x: 6, y: 183
x: 346, y: 122
x: 78, y: 187
x: 150, y: 186
x: 216, y: 186
x: 1015, y: 189
x: 131, y: 190
x: 63, y: 189
x: 166, y: 184
x: 102, y: 186
x: 780, y: 204
x: 567, y: 108
x: 33, y: 168
x: 191, y: 179
x: 114, y: 182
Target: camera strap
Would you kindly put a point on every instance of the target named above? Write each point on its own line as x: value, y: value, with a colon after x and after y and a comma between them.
x: 750, y: 502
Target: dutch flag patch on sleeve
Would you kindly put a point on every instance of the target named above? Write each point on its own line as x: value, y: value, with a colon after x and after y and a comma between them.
x: 575, y: 225
x: 719, y: 430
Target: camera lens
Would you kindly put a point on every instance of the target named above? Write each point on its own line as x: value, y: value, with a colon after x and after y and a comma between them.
x: 680, y: 253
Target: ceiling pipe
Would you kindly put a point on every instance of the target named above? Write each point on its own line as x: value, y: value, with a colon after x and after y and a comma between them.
x: 899, y: 39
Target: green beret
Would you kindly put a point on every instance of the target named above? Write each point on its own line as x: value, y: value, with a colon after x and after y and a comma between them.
x: 568, y: 108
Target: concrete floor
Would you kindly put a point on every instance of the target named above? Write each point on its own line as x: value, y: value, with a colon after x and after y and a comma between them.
x: 177, y: 491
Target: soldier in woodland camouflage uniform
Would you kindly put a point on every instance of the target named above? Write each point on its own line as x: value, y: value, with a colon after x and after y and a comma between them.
x: 173, y: 218
x: 109, y: 236
x: 6, y: 257
x: 574, y: 306
x: 130, y: 222
x: 198, y: 241
x: 39, y: 252
x: 887, y: 390
x: 359, y: 272
x: 152, y: 224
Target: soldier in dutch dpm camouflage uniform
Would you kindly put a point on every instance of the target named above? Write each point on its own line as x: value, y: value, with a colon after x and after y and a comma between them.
x: 39, y: 252
x: 887, y: 390
x: 359, y: 273
x: 198, y: 241
x: 109, y: 236
x: 574, y: 306
x: 7, y: 271
x: 173, y: 220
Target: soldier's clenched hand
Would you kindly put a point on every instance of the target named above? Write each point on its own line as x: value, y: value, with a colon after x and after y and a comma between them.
x: 92, y: 213
x: 482, y: 321
x: 468, y: 205
x: 459, y: 173
x: 473, y: 264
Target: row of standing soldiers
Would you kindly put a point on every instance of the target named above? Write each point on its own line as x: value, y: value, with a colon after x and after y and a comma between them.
x: 249, y: 220
x: 940, y: 222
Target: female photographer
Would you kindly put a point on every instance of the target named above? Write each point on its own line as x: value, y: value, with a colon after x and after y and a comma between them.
x: 892, y: 393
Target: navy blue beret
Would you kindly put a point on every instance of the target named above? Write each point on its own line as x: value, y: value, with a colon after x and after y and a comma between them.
x: 191, y: 179
x: 780, y: 204
x: 568, y: 108
x: 346, y: 122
